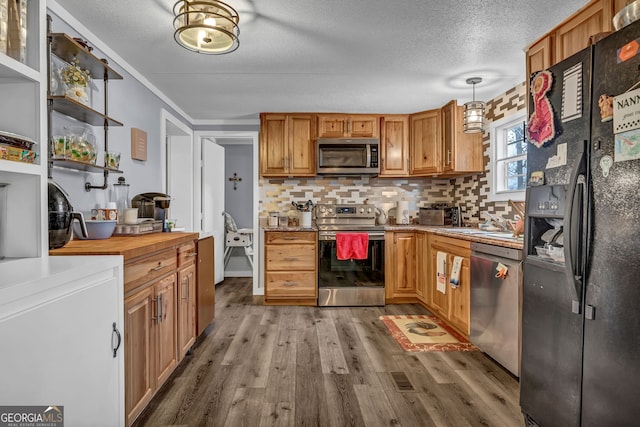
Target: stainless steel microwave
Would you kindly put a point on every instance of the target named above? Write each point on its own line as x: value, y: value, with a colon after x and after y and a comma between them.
x: 348, y: 156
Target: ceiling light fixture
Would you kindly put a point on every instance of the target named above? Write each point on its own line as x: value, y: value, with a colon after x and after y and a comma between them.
x: 206, y: 26
x: 474, y: 110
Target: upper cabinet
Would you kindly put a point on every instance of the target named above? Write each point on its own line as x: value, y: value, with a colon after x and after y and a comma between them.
x: 287, y: 145
x: 394, y: 146
x: 348, y: 126
x: 23, y: 230
x: 461, y: 152
x: 572, y: 35
x: 425, y: 145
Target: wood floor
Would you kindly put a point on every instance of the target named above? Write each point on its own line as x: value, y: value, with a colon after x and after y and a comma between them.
x: 261, y: 365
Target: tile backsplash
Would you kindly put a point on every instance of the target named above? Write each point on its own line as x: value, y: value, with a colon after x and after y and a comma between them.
x: 469, y: 192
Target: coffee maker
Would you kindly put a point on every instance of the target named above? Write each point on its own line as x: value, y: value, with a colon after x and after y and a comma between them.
x: 152, y: 206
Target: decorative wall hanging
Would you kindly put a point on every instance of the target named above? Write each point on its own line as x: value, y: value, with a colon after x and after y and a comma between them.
x: 235, y: 179
x: 138, y: 144
x: 541, y: 128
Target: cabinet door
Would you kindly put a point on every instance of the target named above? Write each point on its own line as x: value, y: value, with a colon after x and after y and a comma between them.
x: 186, y: 309
x: 422, y: 267
x: 573, y: 34
x: 539, y: 56
x: 405, y: 262
x: 205, y: 284
x: 363, y: 127
x: 273, y: 144
x: 301, y: 157
x: 139, y: 313
x: 394, y: 146
x: 165, y: 328
x: 332, y: 126
x: 448, y: 120
x: 459, y: 304
x: 439, y: 300
x: 425, y: 143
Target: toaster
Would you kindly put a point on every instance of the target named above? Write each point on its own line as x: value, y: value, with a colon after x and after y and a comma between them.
x: 440, y: 215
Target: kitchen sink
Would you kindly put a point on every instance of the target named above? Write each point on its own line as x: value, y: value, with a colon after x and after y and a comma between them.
x: 505, y: 235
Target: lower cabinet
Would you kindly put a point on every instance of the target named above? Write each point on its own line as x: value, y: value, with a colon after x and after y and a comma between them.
x: 422, y: 266
x: 291, y: 273
x: 400, y: 265
x: 452, y: 305
x: 159, y: 321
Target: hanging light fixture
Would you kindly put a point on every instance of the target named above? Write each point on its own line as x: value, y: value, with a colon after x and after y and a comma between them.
x: 474, y: 110
x: 206, y: 26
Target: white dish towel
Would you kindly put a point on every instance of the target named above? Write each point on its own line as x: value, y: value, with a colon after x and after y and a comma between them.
x: 454, y: 281
x: 441, y: 272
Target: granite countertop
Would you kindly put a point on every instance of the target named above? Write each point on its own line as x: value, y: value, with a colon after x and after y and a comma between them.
x: 290, y: 228
x: 497, y: 238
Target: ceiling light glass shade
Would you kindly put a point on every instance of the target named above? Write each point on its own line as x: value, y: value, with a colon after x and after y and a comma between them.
x: 474, y: 117
x: 473, y: 111
x: 206, y: 26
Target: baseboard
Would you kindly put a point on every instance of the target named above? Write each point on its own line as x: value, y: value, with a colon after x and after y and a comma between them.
x: 238, y: 273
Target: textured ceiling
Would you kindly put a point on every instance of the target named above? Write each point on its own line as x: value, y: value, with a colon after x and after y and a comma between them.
x: 359, y: 56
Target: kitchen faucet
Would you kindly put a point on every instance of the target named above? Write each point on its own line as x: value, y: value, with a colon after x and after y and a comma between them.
x: 498, y: 221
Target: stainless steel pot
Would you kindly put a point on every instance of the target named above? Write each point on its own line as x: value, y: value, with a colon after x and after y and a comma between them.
x: 61, y: 216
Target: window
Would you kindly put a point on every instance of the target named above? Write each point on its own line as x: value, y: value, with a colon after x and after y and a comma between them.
x: 508, y: 158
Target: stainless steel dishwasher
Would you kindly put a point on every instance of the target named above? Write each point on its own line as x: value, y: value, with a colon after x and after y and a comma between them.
x: 496, y: 303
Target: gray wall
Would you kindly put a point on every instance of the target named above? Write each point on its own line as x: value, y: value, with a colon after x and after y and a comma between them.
x: 132, y: 104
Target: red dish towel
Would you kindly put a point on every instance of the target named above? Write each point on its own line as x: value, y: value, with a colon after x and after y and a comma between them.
x: 352, y: 246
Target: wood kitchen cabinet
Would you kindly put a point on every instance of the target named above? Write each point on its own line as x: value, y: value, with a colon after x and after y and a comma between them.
x: 572, y: 35
x: 287, y: 145
x: 425, y: 145
x: 348, y: 126
x: 461, y: 152
x: 422, y: 266
x: 206, y: 287
x: 291, y: 267
x: 400, y: 266
x: 453, y: 306
x: 394, y: 146
x: 186, y: 298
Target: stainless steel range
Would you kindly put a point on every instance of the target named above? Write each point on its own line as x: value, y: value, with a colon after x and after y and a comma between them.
x: 351, y: 282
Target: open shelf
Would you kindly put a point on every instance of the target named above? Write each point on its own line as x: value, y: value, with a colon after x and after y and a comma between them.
x: 81, y: 166
x: 65, y: 47
x: 79, y: 111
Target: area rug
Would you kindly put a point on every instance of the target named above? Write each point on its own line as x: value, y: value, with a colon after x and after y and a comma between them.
x: 425, y: 333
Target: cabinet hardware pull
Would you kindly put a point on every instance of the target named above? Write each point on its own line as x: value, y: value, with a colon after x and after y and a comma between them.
x: 156, y: 316
x: 192, y: 254
x: 160, y: 308
x: 188, y: 283
x: 290, y: 283
x: 158, y: 267
x: 448, y: 157
x: 117, y: 335
x: 291, y: 259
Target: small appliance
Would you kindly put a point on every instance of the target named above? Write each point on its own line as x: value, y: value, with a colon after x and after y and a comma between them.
x: 440, y: 214
x: 61, y: 216
x: 340, y: 156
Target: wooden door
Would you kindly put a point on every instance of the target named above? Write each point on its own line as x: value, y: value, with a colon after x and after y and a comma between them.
x: 425, y: 143
x: 363, y: 127
x: 332, y: 126
x: 165, y: 328
x: 206, y: 289
x: 459, y: 304
x: 405, y: 264
x: 301, y: 157
x: 422, y: 267
x: 448, y: 121
x: 273, y: 144
x: 439, y: 300
x: 573, y: 35
x: 394, y: 146
x: 139, y: 313
x: 186, y: 309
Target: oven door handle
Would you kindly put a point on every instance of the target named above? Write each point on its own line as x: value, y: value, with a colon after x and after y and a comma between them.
x: 331, y: 235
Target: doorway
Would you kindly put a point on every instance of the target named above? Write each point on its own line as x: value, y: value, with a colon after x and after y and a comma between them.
x: 240, y: 196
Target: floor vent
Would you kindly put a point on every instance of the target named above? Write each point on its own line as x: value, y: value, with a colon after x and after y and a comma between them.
x: 402, y: 382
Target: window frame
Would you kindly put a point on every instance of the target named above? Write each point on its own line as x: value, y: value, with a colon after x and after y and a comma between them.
x: 497, y: 140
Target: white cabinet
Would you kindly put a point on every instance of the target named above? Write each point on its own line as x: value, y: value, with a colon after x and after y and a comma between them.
x: 23, y: 88
x: 59, y: 324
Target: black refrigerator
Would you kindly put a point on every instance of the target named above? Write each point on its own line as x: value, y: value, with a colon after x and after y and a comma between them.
x: 580, y: 359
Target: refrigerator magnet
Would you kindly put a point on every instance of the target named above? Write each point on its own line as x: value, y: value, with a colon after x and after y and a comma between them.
x: 605, y: 164
x: 627, y: 146
x: 541, y: 127
x: 629, y: 50
x: 626, y: 111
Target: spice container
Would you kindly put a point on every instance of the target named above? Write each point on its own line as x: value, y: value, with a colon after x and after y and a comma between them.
x: 273, y: 219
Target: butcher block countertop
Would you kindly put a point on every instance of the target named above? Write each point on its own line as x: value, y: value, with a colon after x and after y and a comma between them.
x: 127, y: 246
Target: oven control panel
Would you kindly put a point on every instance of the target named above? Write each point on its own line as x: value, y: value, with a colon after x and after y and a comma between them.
x: 345, y: 211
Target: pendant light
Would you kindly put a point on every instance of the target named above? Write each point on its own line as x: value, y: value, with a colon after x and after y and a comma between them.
x: 474, y: 110
x: 206, y: 26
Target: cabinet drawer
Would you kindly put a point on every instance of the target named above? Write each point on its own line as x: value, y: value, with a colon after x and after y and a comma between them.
x: 290, y: 285
x: 290, y: 257
x: 288, y: 237
x: 142, y: 270
x: 187, y: 254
